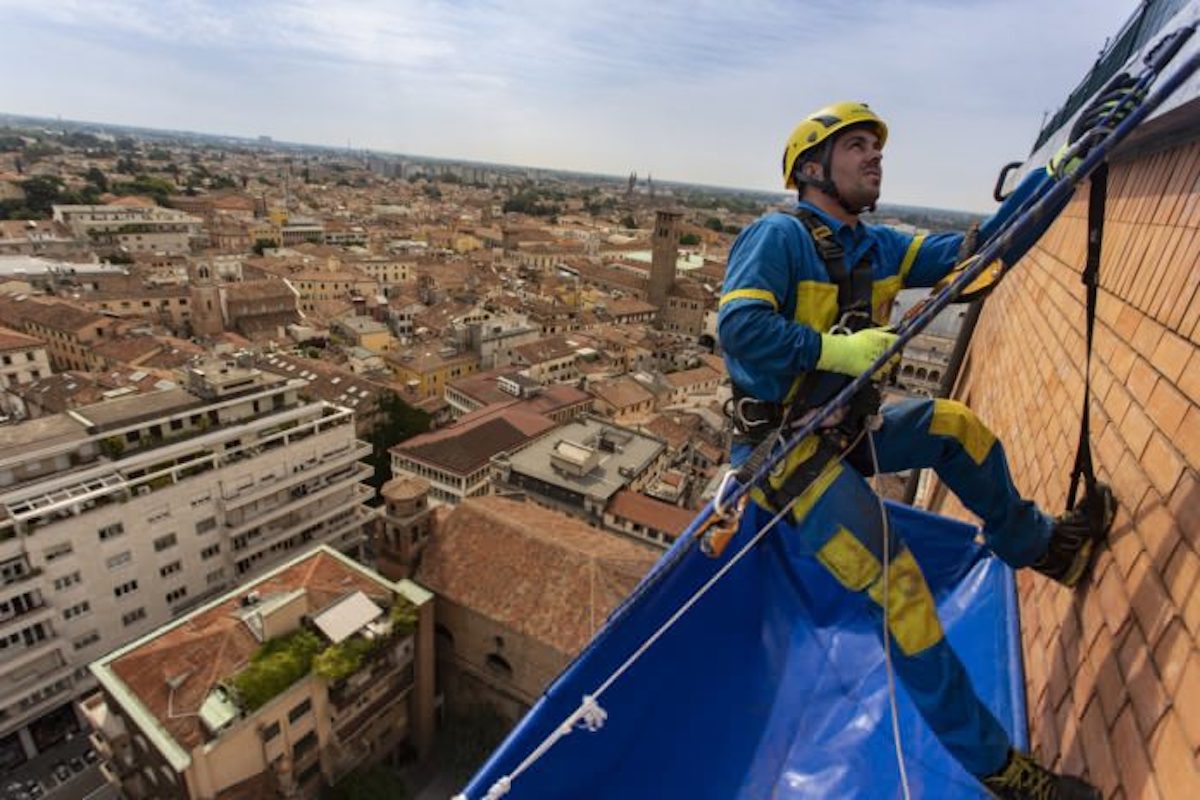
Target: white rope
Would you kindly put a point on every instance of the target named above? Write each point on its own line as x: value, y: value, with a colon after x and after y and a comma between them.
x: 589, y: 714
x: 887, y: 637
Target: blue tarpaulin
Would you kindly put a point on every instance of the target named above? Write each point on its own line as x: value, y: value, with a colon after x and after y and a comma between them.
x: 766, y: 688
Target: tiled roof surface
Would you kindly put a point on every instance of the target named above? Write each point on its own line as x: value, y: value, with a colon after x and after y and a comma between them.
x: 214, y: 644
x: 14, y: 340
x: 469, y: 443
x: 622, y: 392
x: 652, y: 513
x: 544, y: 574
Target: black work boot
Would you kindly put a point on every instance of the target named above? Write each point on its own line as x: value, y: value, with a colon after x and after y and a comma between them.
x: 1022, y: 779
x: 1076, y: 538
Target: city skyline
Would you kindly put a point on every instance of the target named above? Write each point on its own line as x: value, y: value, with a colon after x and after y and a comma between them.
x: 597, y: 90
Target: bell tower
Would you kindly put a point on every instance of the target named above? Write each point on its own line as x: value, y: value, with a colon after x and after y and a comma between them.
x: 664, y: 254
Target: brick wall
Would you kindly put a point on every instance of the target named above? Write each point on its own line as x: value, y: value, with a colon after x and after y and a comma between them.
x: 1113, y: 670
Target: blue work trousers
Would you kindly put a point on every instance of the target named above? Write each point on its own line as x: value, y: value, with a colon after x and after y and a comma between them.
x: 838, y: 521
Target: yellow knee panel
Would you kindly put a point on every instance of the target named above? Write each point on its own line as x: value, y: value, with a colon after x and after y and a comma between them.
x: 849, y: 560
x: 952, y: 418
x: 911, y: 612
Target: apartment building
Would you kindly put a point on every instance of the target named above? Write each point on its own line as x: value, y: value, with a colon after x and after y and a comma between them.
x: 135, y: 229
x: 205, y: 707
x: 119, y: 516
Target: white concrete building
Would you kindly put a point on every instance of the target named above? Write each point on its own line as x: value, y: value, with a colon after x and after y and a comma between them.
x: 136, y: 229
x: 117, y: 517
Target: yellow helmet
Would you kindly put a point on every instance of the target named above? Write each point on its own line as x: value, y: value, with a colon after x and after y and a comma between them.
x: 820, y: 125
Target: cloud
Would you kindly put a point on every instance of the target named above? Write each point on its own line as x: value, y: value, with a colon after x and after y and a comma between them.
x: 702, y: 91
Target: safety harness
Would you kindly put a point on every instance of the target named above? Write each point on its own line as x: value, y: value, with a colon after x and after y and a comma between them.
x: 764, y: 424
x: 754, y: 419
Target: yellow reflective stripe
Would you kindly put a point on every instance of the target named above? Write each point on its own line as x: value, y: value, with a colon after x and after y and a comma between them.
x: 809, y: 497
x: 816, y: 490
x: 911, y: 613
x: 952, y: 418
x: 910, y: 256
x: 816, y: 305
x: 849, y: 560
x: 883, y: 292
x: 750, y: 294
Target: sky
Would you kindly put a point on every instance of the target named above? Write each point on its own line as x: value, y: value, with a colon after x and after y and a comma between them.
x: 702, y: 91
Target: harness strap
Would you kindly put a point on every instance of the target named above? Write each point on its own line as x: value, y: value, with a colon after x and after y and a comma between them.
x: 854, y: 308
x: 854, y: 285
x: 1084, y: 468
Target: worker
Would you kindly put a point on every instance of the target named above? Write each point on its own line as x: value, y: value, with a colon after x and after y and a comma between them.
x: 803, y: 310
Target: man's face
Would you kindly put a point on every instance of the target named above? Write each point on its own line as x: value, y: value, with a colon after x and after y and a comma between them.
x: 857, y: 166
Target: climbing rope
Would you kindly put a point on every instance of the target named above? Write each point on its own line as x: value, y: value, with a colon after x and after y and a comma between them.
x: 590, y: 715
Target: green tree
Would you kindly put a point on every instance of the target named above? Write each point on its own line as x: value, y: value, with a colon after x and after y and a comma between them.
x: 97, y: 178
x: 714, y: 224
x: 628, y: 221
x: 277, y: 665
x: 467, y: 738
x: 398, y: 421
x: 81, y: 140
x: 158, y: 188
x: 372, y: 783
x: 689, y: 239
x: 42, y: 192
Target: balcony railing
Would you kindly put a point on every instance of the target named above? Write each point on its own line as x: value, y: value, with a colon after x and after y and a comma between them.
x: 340, y: 519
x: 176, y: 460
x: 347, y: 454
x: 356, y: 476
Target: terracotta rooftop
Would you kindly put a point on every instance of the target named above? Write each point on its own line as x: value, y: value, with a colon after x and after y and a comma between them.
x: 539, y: 572
x: 469, y: 443
x: 547, y: 349
x: 53, y: 315
x: 213, y: 644
x: 622, y: 392
x: 692, y: 377
x: 406, y: 487
x: 14, y: 340
x: 649, y: 512
x: 258, y: 290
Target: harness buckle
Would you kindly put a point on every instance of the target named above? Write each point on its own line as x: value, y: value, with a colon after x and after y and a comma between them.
x: 853, y: 320
x: 741, y: 420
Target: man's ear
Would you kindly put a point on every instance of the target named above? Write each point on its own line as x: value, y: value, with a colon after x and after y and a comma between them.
x: 812, y: 169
